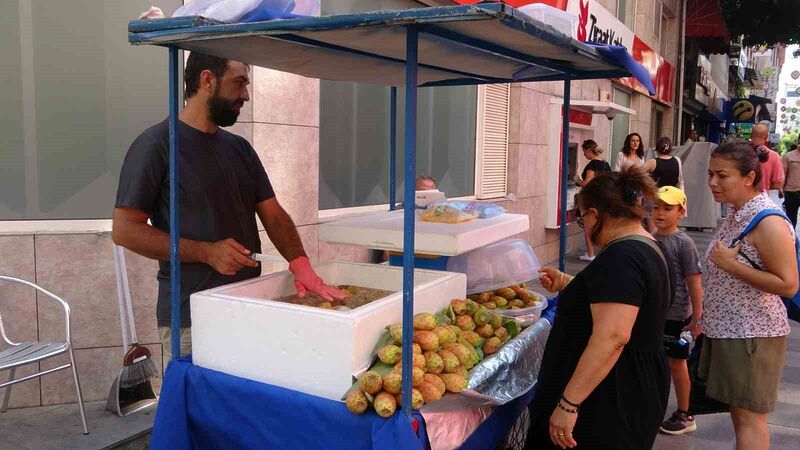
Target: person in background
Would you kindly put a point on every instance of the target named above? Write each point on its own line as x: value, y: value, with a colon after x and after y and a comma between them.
x: 632, y: 153
x: 687, y: 303
x: 692, y: 137
x: 594, y: 167
x: 425, y: 183
x: 744, y: 320
x: 604, y: 380
x: 771, y: 167
x: 791, y: 188
x: 665, y: 169
x: 223, y: 188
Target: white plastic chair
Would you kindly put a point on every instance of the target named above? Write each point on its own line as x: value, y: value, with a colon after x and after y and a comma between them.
x: 23, y: 353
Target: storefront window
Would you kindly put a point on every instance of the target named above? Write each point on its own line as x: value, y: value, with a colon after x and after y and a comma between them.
x: 74, y: 98
x: 354, y: 142
x: 621, y: 125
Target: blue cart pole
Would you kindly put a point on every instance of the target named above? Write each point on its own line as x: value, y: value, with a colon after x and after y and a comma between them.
x: 562, y: 243
x: 392, y: 148
x: 174, y: 217
x: 410, y: 175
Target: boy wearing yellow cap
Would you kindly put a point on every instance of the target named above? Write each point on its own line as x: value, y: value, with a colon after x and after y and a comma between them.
x: 686, y: 307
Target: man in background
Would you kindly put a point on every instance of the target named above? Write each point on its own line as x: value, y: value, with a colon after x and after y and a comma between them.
x: 771, y: 170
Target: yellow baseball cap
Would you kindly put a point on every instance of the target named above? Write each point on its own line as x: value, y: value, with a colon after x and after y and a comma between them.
x: 672, y: 196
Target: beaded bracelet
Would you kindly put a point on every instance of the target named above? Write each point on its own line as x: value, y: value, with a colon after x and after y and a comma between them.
x: 567, y: 410
x: 574, y: 405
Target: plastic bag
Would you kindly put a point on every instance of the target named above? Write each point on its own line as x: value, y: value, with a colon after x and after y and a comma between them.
x: 249, y: 10
x: 484, y: 210
x: 445, y: 212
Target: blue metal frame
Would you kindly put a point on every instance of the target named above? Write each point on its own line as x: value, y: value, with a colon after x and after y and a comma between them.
x: 392, y: 148
x: 174, y: 210
x: 562, y: 238
x: 410, y: 176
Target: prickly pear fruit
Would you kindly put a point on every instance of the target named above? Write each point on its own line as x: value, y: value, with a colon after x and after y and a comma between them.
x: 356, y: 401
x: 472, y: 307
x: 473, y: 338
x: 435, y: 380
x: 445, y: 334
x: 385, y: 404
x: 424, y: 321
x: 449, y: 359
x: 371, y: 382
x: 434, y: 362
x: 430, y: 393
x: 485, y: 296
x: 456, y: 331
x: 416, y: 399
x: 506, y: 293
x: 485, y: 331
x: 502, y: 333
x: 482, y: 317
x: 427, y: 340
x: 459, y: 306
x: 500, y: 302
x: 465, y: 322
x: 417, y: 376
x: 462, y: 353
x: 393, y: 382
x: 513, y: 327
x: 517, y: 303
x: 497, y: 321
x: 454, y: 383
x: 490, y: 305
x: 492, y: 345
x: 389, y: 354
x: 396, y: 331
x: 461, y: 371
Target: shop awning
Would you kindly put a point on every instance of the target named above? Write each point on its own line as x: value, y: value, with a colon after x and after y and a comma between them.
x: 478, y: 44
x: 705, y: 23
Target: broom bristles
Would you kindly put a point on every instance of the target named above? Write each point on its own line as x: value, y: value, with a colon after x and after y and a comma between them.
x: 138, y: 373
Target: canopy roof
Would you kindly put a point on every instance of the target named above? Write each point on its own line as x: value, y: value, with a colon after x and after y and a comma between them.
x: 458, y: 45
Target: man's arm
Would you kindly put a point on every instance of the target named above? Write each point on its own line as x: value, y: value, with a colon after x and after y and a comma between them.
x: 776, y: 183
x: 280, y: 229
x: 131, y: 230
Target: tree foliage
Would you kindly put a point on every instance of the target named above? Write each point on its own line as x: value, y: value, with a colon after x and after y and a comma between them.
x: 786, y: 141
x: 763, y: 21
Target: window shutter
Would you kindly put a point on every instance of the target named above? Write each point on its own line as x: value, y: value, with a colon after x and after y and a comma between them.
x: 491, y: 155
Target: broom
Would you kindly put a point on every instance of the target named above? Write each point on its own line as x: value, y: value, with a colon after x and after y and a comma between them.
x: 137, y: 364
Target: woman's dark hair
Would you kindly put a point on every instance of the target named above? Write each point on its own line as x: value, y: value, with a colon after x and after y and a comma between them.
x: 747, y: 157
x: 664, y: 146
x: 618, y: 195
x: 195, y: 65
x: 626, y: 147
x: 589, y: 144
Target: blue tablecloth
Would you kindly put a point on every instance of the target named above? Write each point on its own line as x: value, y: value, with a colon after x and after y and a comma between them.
x: 202, y: 408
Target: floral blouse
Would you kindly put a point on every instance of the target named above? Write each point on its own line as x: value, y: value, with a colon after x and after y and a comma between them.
x: 732, y: 308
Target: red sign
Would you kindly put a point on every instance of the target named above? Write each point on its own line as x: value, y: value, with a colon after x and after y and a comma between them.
x: 580, y: 117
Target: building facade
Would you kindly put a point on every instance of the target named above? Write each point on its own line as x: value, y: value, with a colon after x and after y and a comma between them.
x: 74, y: 111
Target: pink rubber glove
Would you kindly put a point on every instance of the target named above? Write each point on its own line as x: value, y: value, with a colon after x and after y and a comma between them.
x: 305, y: 279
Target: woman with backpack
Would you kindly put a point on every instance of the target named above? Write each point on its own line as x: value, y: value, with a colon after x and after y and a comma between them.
x: 744, y: 319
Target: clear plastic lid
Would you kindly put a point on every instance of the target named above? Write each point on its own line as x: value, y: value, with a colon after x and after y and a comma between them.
x: 496, y: 265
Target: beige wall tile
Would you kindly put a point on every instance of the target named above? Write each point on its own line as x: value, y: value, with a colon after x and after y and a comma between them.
x: 243, y: 129
x: 18, y: 302
x: 144, y: 295
x: 280, y: 97
x: 335, y: 252
x: 522, y: 169
x: 290, y: 155
x: 23, y: 394
x: 80, y: 269
x: 514, y: 114
x: 97, y: 369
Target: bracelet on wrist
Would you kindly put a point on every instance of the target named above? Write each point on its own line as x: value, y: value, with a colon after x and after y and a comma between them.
x: 567, y: 410
x: 574, y: 405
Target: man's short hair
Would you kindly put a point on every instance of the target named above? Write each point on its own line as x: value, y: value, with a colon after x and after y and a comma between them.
x: 195, y: 65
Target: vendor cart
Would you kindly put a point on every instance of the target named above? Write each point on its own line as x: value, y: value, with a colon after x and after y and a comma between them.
x: 441, y: 46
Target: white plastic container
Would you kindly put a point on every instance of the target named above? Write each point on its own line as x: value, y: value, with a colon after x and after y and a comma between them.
x: 238, y: 330
x: 497, y: 265
x: 562, y: 21
x: 526, y: 316
x: 384, y: 231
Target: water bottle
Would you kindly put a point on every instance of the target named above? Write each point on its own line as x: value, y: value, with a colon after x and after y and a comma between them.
x: 686, y: 338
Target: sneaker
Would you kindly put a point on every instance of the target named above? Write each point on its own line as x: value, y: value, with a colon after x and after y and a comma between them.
x: 679, y: 423
x: 586, y: 257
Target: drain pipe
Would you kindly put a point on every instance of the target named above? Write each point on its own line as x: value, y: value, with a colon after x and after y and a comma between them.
x: 682, y: 72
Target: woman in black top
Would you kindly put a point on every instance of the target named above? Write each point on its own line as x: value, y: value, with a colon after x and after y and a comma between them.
x: 604, y: 380
x: 665, y: 169
x: 594, y: 167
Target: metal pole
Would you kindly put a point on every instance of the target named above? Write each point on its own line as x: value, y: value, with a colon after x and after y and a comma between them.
x: 174, y: 217
x: 562, y: 242
x: 392, y: 148
x: 410, y: 175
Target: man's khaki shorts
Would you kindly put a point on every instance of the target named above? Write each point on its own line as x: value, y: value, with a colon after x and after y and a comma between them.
x: 165, y: 333
x: 744, y: 373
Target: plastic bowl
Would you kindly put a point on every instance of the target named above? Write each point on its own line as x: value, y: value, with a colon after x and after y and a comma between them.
x: 497, y: 265
x: 526, y: 316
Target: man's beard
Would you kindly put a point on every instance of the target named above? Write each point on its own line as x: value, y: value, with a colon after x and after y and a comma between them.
x: 222, y: 111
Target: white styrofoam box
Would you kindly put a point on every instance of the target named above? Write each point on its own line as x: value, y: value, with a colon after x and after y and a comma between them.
x: 238, y: 330
x: 562, y: 21
x: 384, y: 231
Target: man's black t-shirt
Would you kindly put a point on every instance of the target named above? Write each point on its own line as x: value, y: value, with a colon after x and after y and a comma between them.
x: 221, y: 181
x: 597, y: 166
x: 627, y: 407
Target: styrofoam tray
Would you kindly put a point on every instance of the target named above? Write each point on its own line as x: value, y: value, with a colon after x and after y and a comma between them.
x: 238, y: 330
x: 384, y: 231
